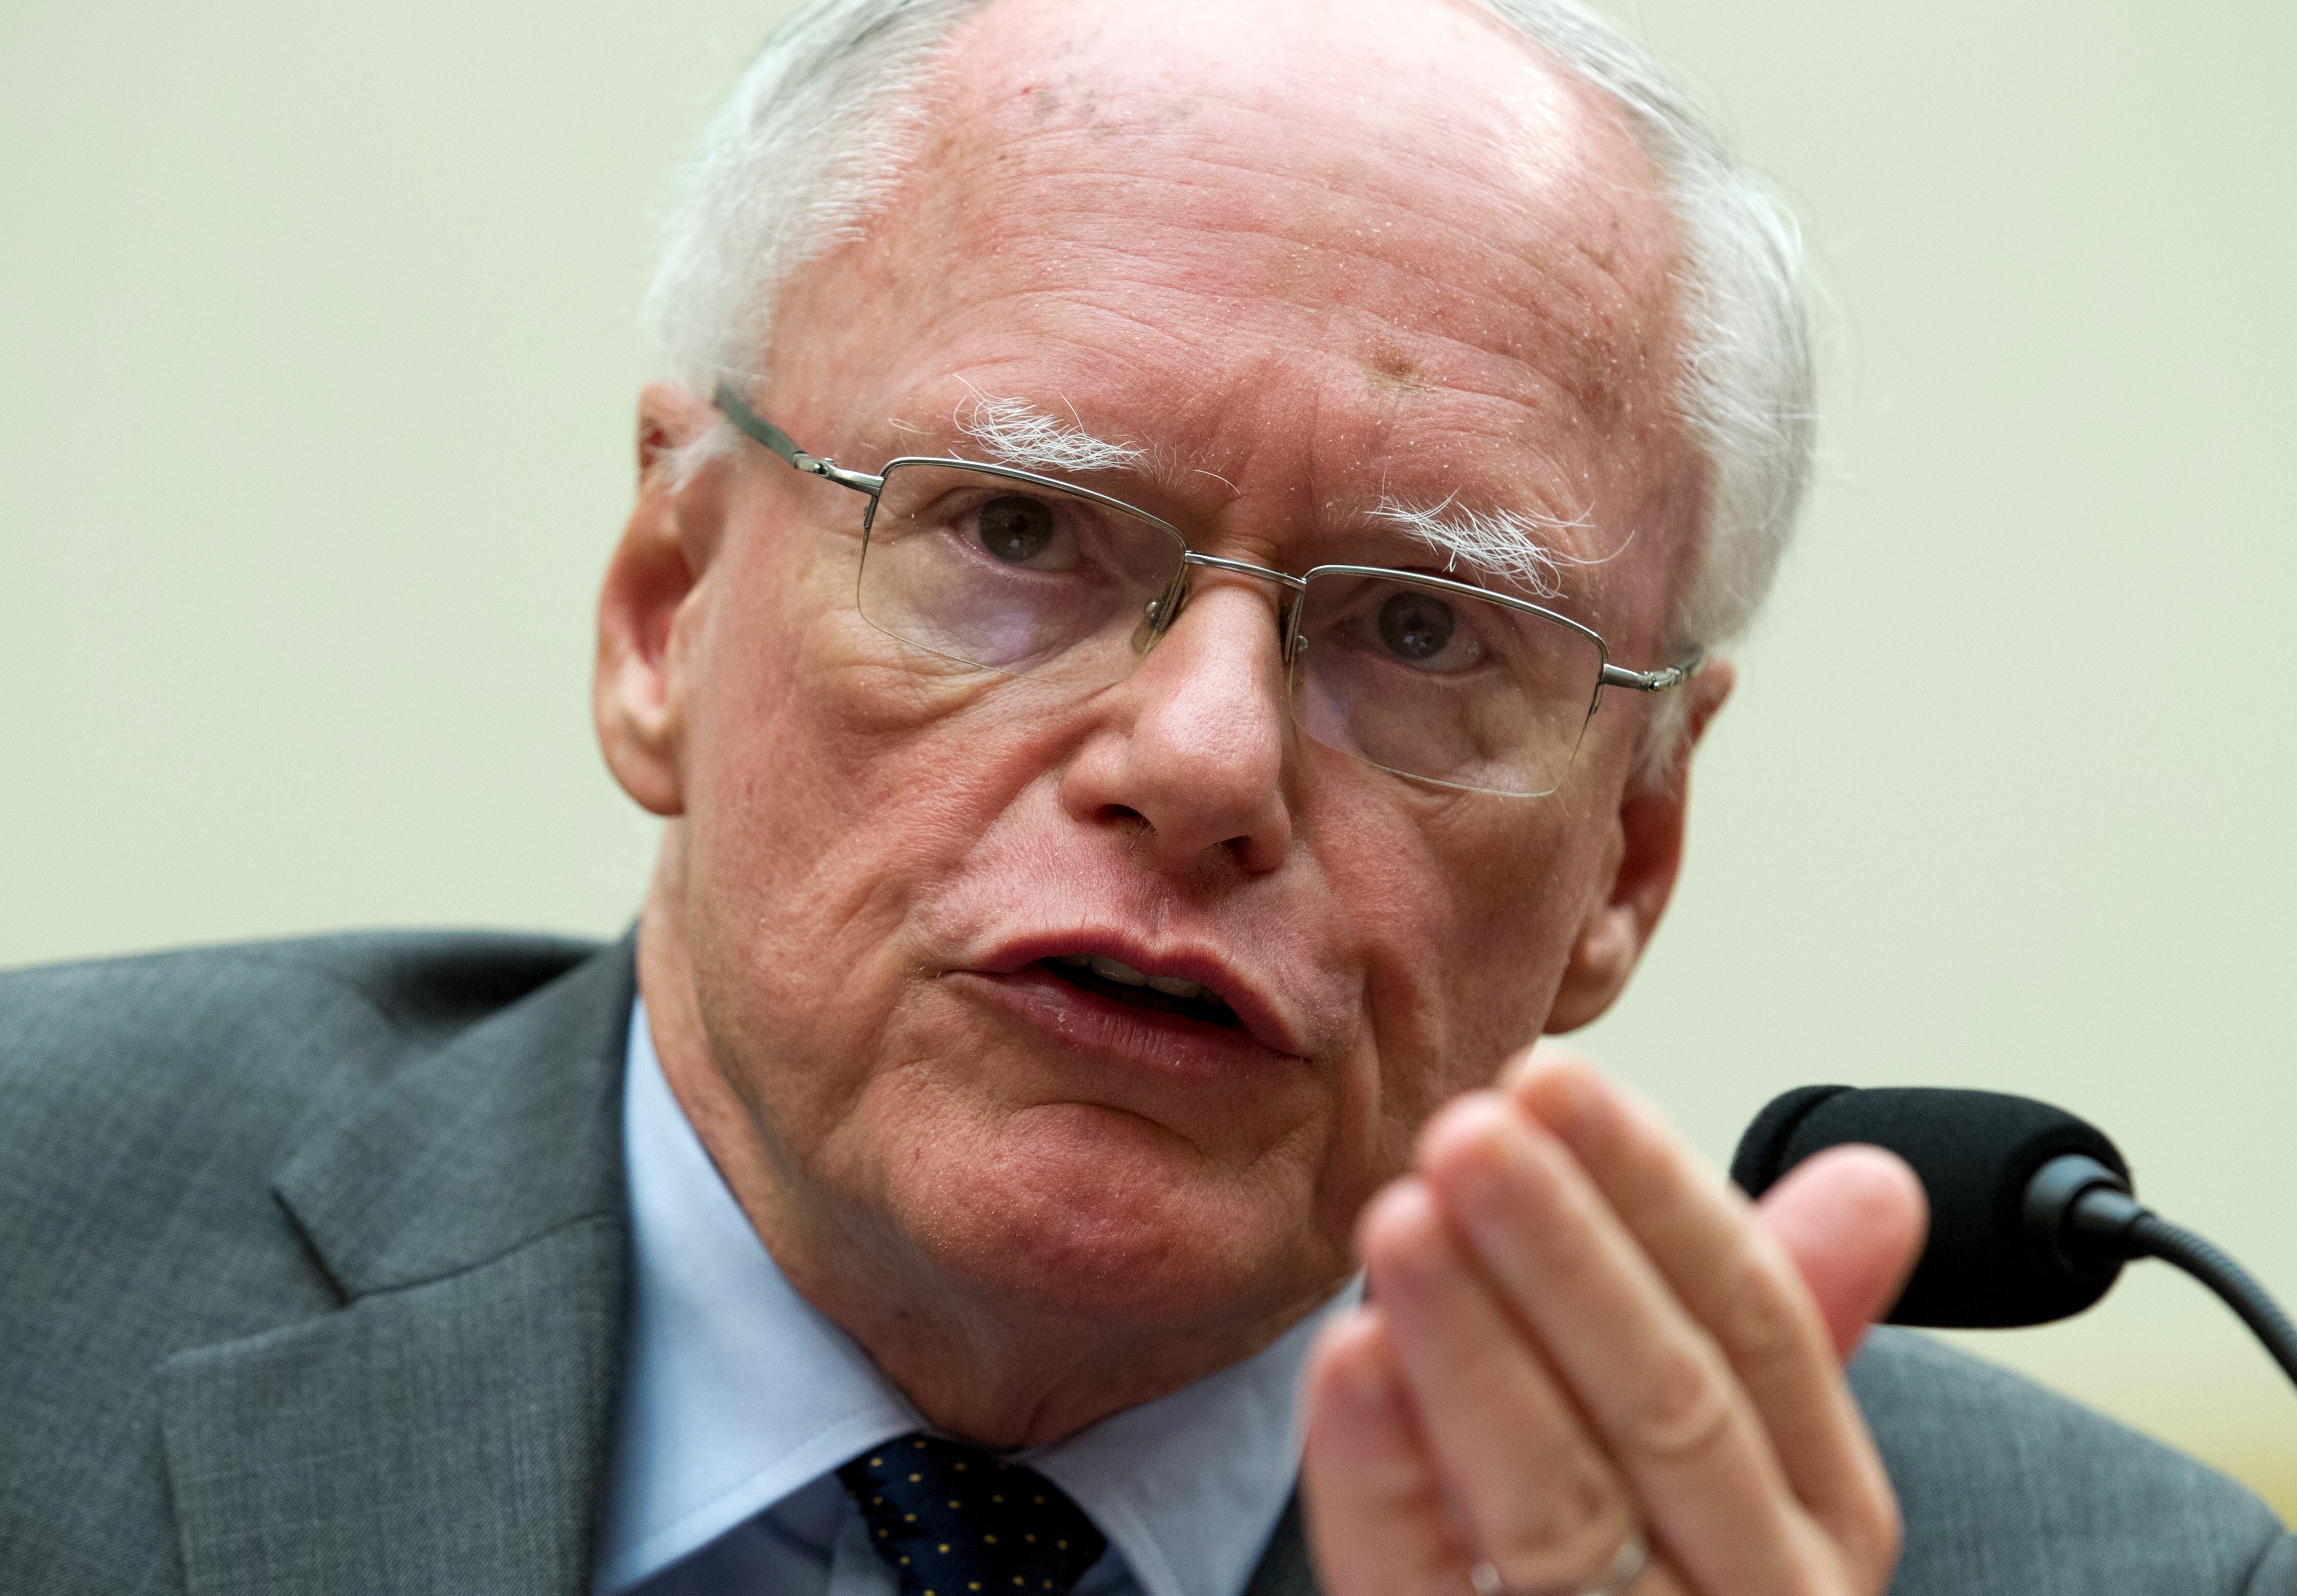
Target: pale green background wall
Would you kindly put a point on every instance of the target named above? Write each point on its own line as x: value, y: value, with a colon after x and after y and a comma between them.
x: 317, y: 328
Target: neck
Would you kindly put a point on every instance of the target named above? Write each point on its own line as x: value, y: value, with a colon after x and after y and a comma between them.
x: 1006, y: 1374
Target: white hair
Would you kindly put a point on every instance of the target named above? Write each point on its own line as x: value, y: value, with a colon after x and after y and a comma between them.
x: 825, y: 120
x: 1013, y: 431
x: 1508, y: 544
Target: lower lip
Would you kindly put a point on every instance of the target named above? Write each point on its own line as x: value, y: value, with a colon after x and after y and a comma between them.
x: 1087, y: 1022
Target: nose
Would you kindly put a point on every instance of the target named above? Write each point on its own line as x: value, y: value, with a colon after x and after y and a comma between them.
x: 1191, y: 756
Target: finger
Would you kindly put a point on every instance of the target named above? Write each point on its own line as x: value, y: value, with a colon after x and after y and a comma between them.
x: 1540, y: 1501
x: 1852, y: 1220
x: 1655, y: 1387
x: 1376, y: 1512
x: 1737, y: 1281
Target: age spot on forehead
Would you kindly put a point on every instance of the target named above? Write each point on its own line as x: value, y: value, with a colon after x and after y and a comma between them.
x: 1387, y: 367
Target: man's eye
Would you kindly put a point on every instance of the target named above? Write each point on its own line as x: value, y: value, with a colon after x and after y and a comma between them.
x: 1416, y: 628
x: 1016, y: 531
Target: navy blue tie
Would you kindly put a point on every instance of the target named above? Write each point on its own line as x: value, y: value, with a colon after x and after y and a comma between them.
x: 954, y: 1520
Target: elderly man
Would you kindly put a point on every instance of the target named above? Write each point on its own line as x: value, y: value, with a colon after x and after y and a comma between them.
x: 1169, y: 604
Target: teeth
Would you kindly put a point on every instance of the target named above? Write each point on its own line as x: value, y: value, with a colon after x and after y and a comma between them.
x: 1108, y: 969
x: 1118, y: 970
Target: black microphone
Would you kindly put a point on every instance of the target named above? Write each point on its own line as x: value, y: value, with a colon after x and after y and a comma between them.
x: 2032, y: 1210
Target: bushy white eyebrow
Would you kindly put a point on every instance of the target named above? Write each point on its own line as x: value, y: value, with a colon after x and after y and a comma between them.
x: 1015, y: 432
x: 1509, y: 545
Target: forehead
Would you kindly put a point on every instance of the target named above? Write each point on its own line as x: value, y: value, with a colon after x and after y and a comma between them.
x: 1316, y: 251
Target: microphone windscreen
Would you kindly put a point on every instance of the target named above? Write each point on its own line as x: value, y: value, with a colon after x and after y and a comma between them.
x: 1975, y: 1152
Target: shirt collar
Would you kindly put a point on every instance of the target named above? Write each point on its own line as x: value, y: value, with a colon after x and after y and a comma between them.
x: 735, y: 1390
x: 739, y: 1393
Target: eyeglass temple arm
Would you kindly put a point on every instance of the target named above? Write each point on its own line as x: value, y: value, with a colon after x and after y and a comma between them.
x: 1655, y: 681
x: 748, y: 421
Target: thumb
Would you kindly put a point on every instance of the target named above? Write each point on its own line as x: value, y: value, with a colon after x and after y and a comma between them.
x: 1853, y: 1219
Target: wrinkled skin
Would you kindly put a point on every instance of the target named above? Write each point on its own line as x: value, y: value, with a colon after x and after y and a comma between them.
x: 1309, y: 257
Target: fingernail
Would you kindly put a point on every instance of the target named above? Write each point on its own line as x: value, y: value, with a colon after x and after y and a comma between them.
x: 1571, y: 1101
x: 1472, y: 1127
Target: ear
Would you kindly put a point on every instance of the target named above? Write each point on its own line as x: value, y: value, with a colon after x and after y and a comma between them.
x: 1645, y: 852
x: 637, y: 690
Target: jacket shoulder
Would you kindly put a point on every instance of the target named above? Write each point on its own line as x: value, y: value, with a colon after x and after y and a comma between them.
x: 2007, y: 1486
x: 424, y: 985
x: 134, y: 1089
x: 146, y: 1105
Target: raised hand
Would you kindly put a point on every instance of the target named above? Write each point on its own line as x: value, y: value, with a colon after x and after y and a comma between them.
x: 1577, y: 1334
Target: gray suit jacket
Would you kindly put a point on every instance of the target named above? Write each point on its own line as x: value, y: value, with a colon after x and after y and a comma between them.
x: 311, y: 1279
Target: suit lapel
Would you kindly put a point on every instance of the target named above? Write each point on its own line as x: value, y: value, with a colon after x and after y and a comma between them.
x: 446, y: 1429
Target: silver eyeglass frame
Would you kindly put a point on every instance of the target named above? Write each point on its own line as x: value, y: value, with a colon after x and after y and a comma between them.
x: 1164, y: 611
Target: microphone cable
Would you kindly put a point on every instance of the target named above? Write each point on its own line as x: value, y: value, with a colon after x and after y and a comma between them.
x: 2153, y: 1236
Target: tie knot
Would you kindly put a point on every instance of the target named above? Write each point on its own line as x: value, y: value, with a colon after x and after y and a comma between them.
x: 954, y: 1520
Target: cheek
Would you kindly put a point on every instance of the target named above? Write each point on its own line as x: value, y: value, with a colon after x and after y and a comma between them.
x: 1468, y: 915
x: 832, y: 787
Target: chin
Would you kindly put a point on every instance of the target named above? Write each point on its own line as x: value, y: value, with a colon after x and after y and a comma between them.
x: 1081, y: 1210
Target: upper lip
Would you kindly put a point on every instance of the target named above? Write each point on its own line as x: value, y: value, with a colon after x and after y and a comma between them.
x: 1262, y: 1016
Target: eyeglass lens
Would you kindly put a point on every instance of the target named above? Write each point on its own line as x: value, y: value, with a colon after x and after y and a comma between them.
x: 1023, y: 578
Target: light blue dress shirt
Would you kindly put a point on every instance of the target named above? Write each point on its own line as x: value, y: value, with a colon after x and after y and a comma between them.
x: 740, y: 1401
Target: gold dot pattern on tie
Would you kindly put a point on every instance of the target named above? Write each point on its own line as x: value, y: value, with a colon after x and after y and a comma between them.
x: 953, y: 1520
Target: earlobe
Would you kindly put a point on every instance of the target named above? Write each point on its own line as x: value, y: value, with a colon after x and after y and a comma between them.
x: 1646, y: 855
x: 1609, y: 940
x: 638, y: 686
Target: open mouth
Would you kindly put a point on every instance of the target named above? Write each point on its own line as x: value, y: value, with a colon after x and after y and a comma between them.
x: 1122, y: 983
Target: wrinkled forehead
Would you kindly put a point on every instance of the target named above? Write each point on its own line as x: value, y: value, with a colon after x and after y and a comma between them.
x: 1388, y: 231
